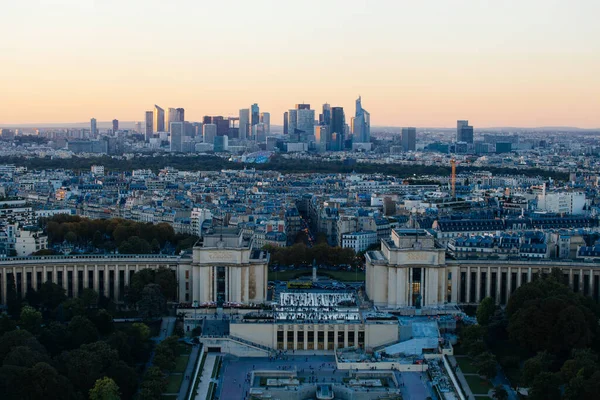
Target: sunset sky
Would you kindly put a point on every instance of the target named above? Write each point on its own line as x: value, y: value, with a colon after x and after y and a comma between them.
x: 415, y: 63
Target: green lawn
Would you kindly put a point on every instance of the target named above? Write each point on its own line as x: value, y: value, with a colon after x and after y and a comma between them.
x: 478, y: 385
x: 184, y: 349
x: 466, y: 365
x: 344, y: 276
x: 173, y: 383
x: 181, y: 363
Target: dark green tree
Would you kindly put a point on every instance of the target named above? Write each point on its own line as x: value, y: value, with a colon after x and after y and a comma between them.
x: 152, y: 303
x: 485, y: 311
x: 82, y: 331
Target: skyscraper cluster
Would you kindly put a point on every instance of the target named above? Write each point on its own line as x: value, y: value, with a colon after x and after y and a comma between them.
x: 329, y: 132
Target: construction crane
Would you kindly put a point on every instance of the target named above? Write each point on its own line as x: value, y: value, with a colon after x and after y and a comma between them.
x: 453, y: 178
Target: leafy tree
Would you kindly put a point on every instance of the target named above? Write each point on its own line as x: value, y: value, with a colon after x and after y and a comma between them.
x: 153, y: 385
x: 105, y: 389
x: 125, y: 377
x: 167, y: 281
x: 13, y: 302
x: 31, y: 319
x: 545, y: 387
x: 485, y: 311
x: 152, y: 303
x: 89, y: 298
x: 104, y: 322
x: 6, y: 324
x: 532, y: 367
x: 51, y: 295
x: 82, y: 331
x: 41, y: 381
x: 486, y: 365
x: 15, y: 338
x: 55, y: 337
x: 23, y: 356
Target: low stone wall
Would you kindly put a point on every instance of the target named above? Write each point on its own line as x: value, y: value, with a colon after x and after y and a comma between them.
x: 233, y: 347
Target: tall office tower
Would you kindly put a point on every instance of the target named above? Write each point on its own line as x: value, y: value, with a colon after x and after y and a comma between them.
x: 321, y: 136
x: 361, y: 124
x: 189, y: 130
x: 464, y: 132
x: 336, y: 131
x: 303, y: 106
x: 180, y: 114
x: 137, y: 127
x: 221, y: 123
x: 197, y: 130
x: 209, y: 132
x: 301, y: 122
x: 175, y: 115
x: 285, y: 123
x: 259, y: 132
x: 325, y: 117
x: 254, y: 114
x: 93, y: 130
x: 244, y: 123
x: 149, y: 125
x: 115, y: 124
x: 409, y: 139
x: 265, y: 118
x: 170, y: 117
x: 158, y: 119
x: 177, y: 130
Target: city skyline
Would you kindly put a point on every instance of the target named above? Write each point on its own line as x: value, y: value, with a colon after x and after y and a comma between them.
x: 442, y: 63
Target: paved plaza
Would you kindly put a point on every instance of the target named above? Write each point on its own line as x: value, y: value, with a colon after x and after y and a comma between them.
x: 235, y: 378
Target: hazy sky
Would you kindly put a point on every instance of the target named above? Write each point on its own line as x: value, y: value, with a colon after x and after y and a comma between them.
x: 415, y: 63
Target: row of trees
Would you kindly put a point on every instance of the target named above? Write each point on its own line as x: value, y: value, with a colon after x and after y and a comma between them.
x: 54, y: 347
x: 547, y: 333
x: 128, y: 237
x: 299, y: 254
x: 277, y: 163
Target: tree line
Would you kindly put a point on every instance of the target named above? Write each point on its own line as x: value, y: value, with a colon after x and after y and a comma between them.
x: 115, y: 234
x: 54, y: 347
x: 547, y: 339
x: 321, y: 253
x: 276, y: 163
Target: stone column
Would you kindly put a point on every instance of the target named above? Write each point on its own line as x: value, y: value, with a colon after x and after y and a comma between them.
x: 86, y: 277
x: 455, y: 284
x: 478, y: 287
x: 285, y: 331
x: 355, y: 344
x: 117, y: 283
x: 529, y: 274
x: 499, y: 285
x: 34, y: 277
x: 325, y: 338
x: 410, y: 288
x: 335, y: 336
x: 571, y: 278
x: 295, y: 337
x: 345, y: 335
x: 66, y: 279
x: 305, y: 344
x: 581, y: 280
x: 488, y: 282
x: 4, y: 285
x: 316, y: 337
x: 508, y: 283
x: 96, y: 283
x: 591, y: 278
x: 468, y: 284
